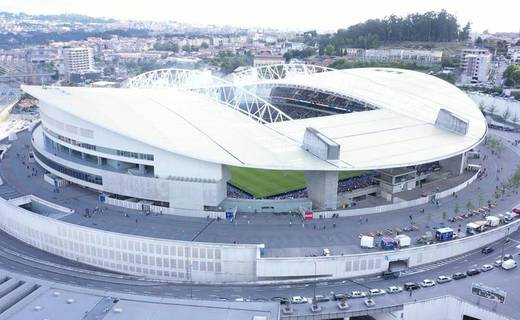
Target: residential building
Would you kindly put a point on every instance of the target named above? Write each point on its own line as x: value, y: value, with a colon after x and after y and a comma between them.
x: 475, y: 65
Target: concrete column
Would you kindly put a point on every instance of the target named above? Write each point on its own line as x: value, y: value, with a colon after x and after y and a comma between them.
x: 141, y: 168
x: 99, y: 161
x: 455, y: 164
x: 322, y: 187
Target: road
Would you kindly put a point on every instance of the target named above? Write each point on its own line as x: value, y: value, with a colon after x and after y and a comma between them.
x: 76, y: 274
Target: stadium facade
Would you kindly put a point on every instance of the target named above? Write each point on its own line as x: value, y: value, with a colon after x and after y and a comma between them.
x: 169, y: 137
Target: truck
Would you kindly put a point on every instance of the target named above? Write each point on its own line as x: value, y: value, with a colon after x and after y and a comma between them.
x: 426, y: 238
x: 388, y: 243
x: 492, y: 221
x: 403, y: 240
x: 367, y: 242
x: 473, y: 228
x: 444, y: 234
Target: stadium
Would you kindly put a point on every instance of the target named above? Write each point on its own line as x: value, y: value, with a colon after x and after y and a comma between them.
x: 276, y: 138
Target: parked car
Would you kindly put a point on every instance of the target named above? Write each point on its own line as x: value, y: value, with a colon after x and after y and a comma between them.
x: 516, y: 210
x: 326, y: 252
x: 486, y: 268
x: 376, y: 292
x: 472, y: 272
x: 321, y: 298
x: 339, y: 296
x: 298, y: 300
x: 487, y: 250
x: 427, y: 283
x: 390, y: 275
x: 458, y: 276
x: 369, y: 303
x: 411, y: 286
x: 357, y: 294
x: 394, y: 289
x: 509, y: 264
x: 498, y: 262
x: 507, y: 257
x: 443, y: 279
x: 282, y: 300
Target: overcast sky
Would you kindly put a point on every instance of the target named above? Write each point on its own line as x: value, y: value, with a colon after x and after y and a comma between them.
x: 496, y: 15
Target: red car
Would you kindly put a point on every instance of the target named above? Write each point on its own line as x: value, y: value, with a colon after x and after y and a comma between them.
x: 516, y: 210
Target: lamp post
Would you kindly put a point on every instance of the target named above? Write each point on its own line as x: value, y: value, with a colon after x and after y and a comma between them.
x: 504, y: 245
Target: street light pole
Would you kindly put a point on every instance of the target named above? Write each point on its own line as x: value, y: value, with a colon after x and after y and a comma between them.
x: 315, y: 280
x: 504, y: 245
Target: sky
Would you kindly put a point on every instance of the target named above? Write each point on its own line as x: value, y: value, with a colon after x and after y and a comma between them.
x: 323, y: 15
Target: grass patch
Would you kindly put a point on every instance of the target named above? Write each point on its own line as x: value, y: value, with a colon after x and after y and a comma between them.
x: 264, y: 183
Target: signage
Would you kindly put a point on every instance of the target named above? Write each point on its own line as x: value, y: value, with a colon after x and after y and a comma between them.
x: 309, y: 215
x: 493, y: 294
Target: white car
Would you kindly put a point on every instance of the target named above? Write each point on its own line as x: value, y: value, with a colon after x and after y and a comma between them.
x: 427, y: 283
x: 298, y: 300
x: 486, y: 268
x: 357, y: 294
x: 443, y: 279
x: 369, y: 303
x: 394, y: 289
x: 376, y: 292
x: 509, y: 264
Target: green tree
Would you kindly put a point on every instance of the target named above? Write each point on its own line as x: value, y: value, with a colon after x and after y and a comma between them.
x: 469, y: 205
x: 480, y: 199
x: 329, y: 50
x: 512, y: 75
x: 506, y: 114
x: 204, y: 45
x: 464, y: 33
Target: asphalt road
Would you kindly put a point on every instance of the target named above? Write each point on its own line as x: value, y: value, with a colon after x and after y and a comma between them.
x: 72, y: 273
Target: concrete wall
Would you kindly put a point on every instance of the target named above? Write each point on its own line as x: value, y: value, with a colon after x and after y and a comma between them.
x: 179, y: 191
x: 260, y: 205
x: 208, y: 262
x: 355, y: 265
x: 154, y: 258
x: 399, y: 205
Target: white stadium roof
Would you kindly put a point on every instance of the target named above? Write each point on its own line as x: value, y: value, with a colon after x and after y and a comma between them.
x: 400, y: 132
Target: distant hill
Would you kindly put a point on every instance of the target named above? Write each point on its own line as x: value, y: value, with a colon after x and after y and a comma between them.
x: 65, y: 18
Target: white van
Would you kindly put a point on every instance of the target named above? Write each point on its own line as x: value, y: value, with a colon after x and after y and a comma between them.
x: 509, y: 264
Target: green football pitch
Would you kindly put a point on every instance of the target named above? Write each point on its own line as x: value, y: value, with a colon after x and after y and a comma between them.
x: 264, y: 183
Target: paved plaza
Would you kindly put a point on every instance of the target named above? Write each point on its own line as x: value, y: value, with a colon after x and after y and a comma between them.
x: 282, y: 235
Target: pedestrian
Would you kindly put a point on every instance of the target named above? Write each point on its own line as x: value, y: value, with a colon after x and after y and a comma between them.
x: 135, y: 220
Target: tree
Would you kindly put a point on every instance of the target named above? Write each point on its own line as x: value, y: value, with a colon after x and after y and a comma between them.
x: 506, y: 114
x: 329, y: 50
x: 464, y: 34
x: 492, y: 108
x: 480, y: 199
x: 469, y: 205
x: 479, y: 42
x: 204, y: 45
x: 512, y: 75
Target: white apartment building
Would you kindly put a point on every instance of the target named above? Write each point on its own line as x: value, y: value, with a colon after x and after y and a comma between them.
x: 78, y: 60
x: 475, y: 65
